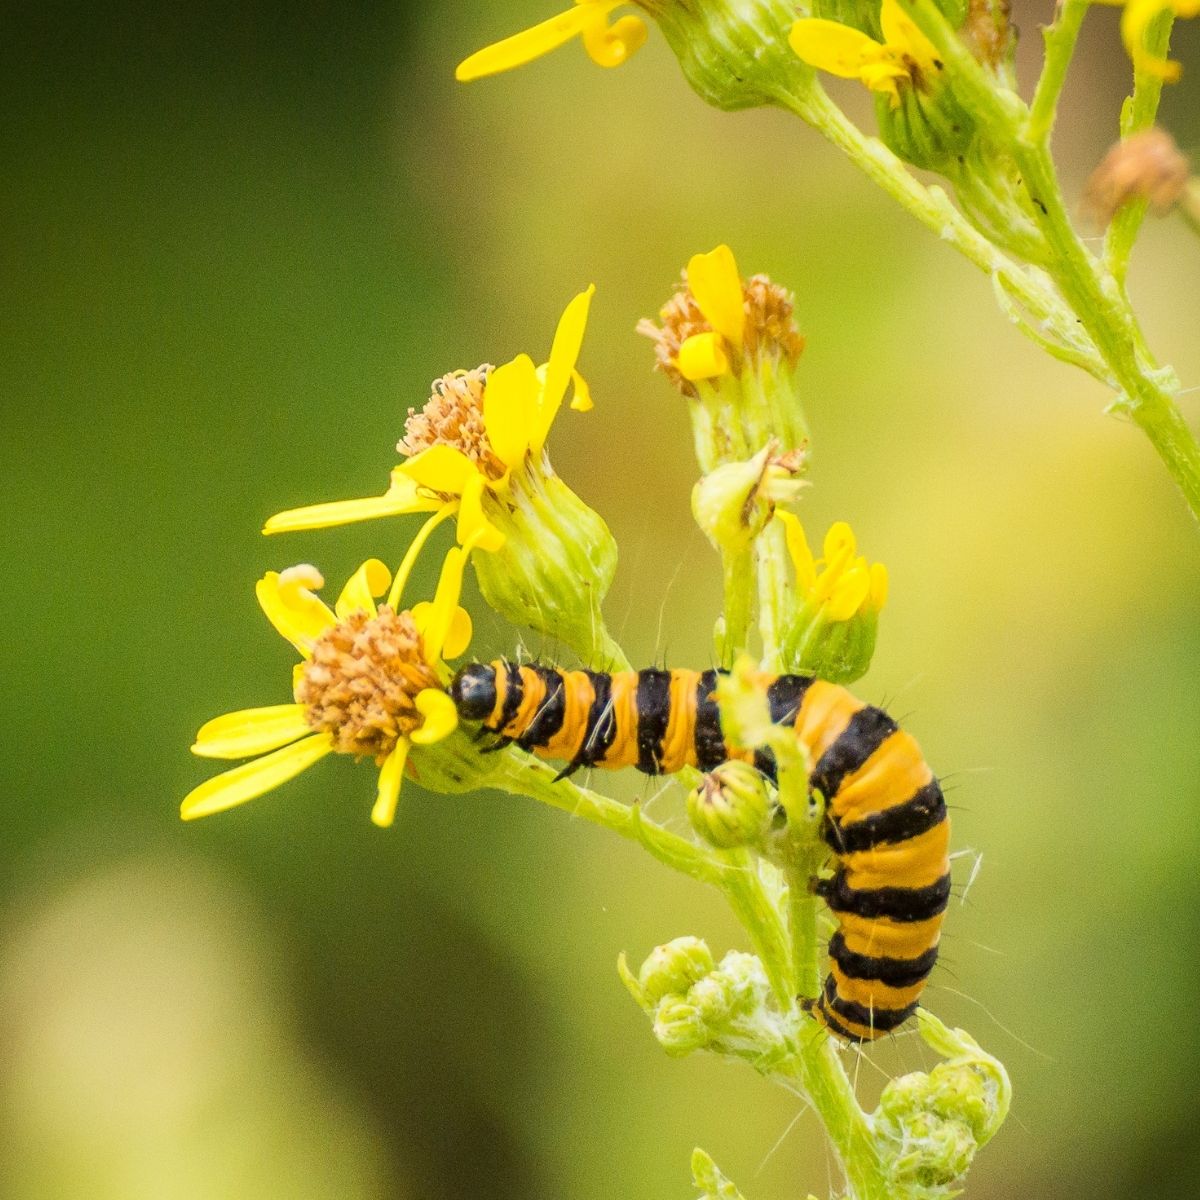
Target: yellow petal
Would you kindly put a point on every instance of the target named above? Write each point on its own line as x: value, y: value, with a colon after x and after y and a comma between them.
x: 581, y: 398
x: 441, y: 717
x: 292, y: 608
x: 702, y: 356
x: 525, y: 46
x: 414, y: 551
x: 370, y: 580
x: 835, y: 48
x: 441, y: 469
x: 798, y: 551
x: 564, y: 353
x: 1134, y: 22
x: 901, y: 33
x: 611, y: 45
x: 717, y: 287
x: 251, y: 731
x: 252, y: 779
x: 840, y: 543
x: 473, y: 522
x: 391, y: 776
x: 445, y: 602
x: 509, y: 409
x: 401, y: 497
x: 458, y: 637
x: 849, y: 592
x: 879, y: 586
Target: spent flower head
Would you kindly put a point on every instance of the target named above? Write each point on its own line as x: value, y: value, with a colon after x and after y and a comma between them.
x: 731, y: 346
x: 1145, y: 166
x: 368, y: 686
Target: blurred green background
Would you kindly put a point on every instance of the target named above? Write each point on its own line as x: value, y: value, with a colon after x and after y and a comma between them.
x: 238, y: 241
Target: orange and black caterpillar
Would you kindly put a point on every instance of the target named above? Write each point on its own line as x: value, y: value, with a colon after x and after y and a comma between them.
x: 885, y: 817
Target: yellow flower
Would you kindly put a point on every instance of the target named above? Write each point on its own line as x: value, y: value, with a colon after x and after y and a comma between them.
x: 368, y: 685
x: 841, y: 584
x: 477, y: 429
x: 1135, y: 20
x: 607, y: 45
x: 904, y: 54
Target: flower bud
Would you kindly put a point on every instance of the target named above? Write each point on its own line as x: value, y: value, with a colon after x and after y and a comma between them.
x: 732, y: 52
x: 734, y: 502
x: 556, y: 563
x: 674, y: 967
x: 935, y: 1122
x: 731, y: 806
x: 679, y: 1027
x: 832, y: 634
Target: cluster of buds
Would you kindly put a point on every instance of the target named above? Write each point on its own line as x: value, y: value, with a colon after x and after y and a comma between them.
x: 934, y: 1123
x: 696, y: 1004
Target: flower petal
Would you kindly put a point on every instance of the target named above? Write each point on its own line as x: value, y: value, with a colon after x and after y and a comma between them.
x: 441, y: 468
x: 524, y: 47
x: 401, y: 497
x: 509, y: 409
x: 458, y: 637
x: 370, y: 580
x: 564, y: 353
x: 404, y: 570
x: 445, y: 602
x: 702, y: 356
x: 879, y: 586
x: 611, y: 45
x: 717, y: 287
x: 441, y: 717
x: 391, y: 776
x: 849, y: 592
x: 801, y: 556
x: 1134, y: 22
x: 473, y: 523
x: 252, y: 779
x: 251, y: 731
x: 835, y: 48
x: 901, y: 33
x: 291, y: 607
x: 581, y: 398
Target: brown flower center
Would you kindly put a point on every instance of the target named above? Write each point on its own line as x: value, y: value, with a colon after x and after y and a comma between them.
x: 453, y: 416
x: 362, y: 682
x: 770, y: 327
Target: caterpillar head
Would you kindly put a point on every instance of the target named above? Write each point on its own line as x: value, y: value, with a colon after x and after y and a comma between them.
x: 473, y: 690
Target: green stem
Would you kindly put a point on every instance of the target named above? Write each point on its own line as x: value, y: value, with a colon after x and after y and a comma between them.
x: 738, y: 605
x: 1060, y: 38
x: 760, y: 918
x: 822, y: 1079
x: 776, y: 593
x: 933, y: 209
x: 1137, y: 113
x: 524, y: 776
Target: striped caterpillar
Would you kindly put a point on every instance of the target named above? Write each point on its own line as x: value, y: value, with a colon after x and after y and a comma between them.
x: 885, y: 818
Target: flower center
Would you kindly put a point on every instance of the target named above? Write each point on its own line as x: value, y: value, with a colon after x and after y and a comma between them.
x: 362, y: 682
x: 770, y: 328
x: 453, y: 416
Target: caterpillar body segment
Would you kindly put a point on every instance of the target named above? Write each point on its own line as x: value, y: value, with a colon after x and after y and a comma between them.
x: 885, y: 817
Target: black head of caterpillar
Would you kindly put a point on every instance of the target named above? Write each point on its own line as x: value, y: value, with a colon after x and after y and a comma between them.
x: 885, y: 818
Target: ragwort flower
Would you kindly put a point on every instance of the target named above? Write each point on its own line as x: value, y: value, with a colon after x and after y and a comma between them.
x: 607, y: 45
x: 477, y: 429
x: 369, y: 685
x: 832, y: 634
x: 905, y: 56
x: 1135, y: 21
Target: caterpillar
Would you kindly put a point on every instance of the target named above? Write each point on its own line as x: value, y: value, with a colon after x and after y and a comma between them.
x: 885, y: 816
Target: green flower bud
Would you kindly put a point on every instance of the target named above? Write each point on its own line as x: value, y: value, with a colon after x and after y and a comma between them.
x: 832, y: 633
x: 679, y: 1027
x: 929, y: 127
x: 733, y: 52
x: 733, y: 503
x: 731, y: 806
x: 555, y: 566
x: 708, y: 1178
x: 674, y: 967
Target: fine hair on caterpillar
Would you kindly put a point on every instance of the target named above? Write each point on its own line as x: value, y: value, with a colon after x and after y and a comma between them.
x: 885, y: 816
